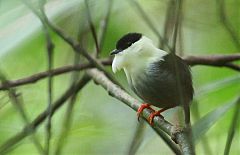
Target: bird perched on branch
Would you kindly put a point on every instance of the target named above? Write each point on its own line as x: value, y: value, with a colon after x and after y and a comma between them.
x: 159, y: 78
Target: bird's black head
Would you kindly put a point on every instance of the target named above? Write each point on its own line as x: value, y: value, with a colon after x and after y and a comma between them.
x: 126, y: 41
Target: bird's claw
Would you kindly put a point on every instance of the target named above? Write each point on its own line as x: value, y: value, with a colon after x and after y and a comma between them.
x: 152, y: 115
x: 141, y: 108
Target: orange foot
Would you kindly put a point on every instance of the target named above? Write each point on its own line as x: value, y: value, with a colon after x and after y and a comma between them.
x: 157, y: 113
x: 153, y: 114
x: 141, y: 108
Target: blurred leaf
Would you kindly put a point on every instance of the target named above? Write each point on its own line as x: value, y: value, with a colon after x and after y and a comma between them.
x: 206, y: 122
x: 15, y: 27
x: 216, y: 85
x: 233, y: 128
x: 138, y: 138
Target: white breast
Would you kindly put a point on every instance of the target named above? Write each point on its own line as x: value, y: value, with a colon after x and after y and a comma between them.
x: 137, y: 67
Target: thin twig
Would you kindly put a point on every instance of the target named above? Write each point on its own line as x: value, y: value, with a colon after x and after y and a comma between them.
x: 69, y: 113
x: 168, y: 24
x: 226, y: 23
x: 66, y: 124
x: 92, y: 28
x: 79, y: 49
x: 235, y: 38
x: 149, y: 23
x: 178, y: 14
x: 104, y: 25
x: 180, y: 136
x: 75, y: 46
x: 180, y: 41
x: 50, y: 50
x: 17, y: 103
x: 31, y: 127
x: 232, y: 128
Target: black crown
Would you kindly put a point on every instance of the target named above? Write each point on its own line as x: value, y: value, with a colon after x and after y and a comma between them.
x: 127, y: 40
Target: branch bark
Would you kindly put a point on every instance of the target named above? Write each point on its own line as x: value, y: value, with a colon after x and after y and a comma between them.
x: 180, y: 136
x: 227, y: 24
x: 214, y: 60
x: 211, y: 59
x: 41, y: 75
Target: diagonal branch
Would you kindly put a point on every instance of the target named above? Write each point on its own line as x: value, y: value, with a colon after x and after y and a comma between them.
x: 104, y: 24
x: 77, y: 48
x: 17, y: 103
x: 178, y: 20
x: 150, y: 23
x: 92, y: 27
x: 226, y: 23
x: 73, y: 43
x: 160, y: 124
x: 168, y: 24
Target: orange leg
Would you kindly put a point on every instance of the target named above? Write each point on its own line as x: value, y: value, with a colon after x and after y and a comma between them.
x: 157, y: 113
x: 141, y: 108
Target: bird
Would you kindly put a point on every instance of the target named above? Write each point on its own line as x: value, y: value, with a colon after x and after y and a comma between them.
x: 161, y: 79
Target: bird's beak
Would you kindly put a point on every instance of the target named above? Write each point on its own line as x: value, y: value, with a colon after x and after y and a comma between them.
x: 116, y: 51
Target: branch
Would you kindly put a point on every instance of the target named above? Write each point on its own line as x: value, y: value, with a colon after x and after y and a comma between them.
x: 149, y: 23
x: 67, y: 121
x: 50, y: 49
x: 214, y: 60
x: 73, y: 43
x: 226, y: 23
x: 58, y: 71
x: 18, y: 104
x: 211, y: 60
x: 78, y: 48
x: 178, y: 20
x: 31, y: 127
x: 160, y: 124
x: 104, y: 24
x: 92, y: 28
x: 14, y: 97
x: 168, y: 24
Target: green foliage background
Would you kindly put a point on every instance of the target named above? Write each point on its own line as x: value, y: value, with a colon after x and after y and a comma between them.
x: 101, y: 124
